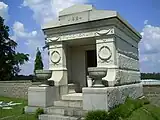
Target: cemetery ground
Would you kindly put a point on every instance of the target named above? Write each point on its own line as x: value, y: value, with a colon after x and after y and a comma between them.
x: 139, y: 109
x: 131, y: 110
x: 17, y: 112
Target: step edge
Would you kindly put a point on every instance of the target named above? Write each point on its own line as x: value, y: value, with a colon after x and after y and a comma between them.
x: 57, y: 115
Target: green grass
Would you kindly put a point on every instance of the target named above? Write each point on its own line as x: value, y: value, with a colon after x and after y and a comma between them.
x: 17, y: 112
x: 130, y: 110
x: 138, y: 110
x: 147, y: 112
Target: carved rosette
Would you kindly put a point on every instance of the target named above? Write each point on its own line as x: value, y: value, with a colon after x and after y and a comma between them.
x: 104, y: 53
x: 55, y: 57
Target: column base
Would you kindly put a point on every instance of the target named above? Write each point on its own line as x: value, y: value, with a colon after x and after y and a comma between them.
x: 42, y: 96
x: 30, y: 109
x: 59, y: 76
x: 108, y: 97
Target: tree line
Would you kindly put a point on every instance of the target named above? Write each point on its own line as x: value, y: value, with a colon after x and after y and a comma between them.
x: 150, y: 76
x: 11, y: 60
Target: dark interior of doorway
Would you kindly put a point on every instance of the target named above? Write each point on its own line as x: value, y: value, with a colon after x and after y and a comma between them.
x: 91, y: 60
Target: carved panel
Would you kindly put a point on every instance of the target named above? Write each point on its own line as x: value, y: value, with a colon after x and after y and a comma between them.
x: 55, y: 57
x: 82, y: 34
x: 104, y: 53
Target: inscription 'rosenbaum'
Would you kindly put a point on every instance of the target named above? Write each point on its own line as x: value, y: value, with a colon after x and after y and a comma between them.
x: 74, y: 18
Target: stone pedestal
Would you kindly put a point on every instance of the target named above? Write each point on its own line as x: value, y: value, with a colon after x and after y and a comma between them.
x: 108, y: 97
x: 41, y: 97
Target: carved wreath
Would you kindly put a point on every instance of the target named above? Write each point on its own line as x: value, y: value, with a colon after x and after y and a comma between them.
x: 55, y: 57
x: 104, y: 53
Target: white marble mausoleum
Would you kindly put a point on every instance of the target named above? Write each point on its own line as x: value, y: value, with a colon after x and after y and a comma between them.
x: 83, y: 37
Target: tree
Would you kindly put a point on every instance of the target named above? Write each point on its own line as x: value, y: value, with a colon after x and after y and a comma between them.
x: 10, y: 60
x: 38, y: 65
x: 150, y: 76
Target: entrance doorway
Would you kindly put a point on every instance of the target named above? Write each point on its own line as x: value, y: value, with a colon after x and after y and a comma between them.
x: 91, y: 59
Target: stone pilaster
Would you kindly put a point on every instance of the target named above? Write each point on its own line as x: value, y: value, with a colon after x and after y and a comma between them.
x: 57, y: 63
x: 106, y: 57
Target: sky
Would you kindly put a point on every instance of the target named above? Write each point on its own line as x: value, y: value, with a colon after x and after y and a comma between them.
x: 24, y: 17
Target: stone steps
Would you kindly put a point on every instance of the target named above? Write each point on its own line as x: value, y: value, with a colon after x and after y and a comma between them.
x: 70, y: 107
x: 72, y: 97
x: 67, y: 103
x: 65, y: 111
x: 58, y: 117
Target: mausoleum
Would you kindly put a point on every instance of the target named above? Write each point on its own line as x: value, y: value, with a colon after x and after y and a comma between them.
x: 83, y: 41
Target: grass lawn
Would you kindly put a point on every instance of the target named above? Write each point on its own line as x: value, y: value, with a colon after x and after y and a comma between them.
x: 127, y: 111
x: 147, y: 112
x: 17, y: 112
x: 144, y: 112
x: 130, y: 110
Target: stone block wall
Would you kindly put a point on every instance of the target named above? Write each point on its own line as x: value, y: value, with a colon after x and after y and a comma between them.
x: 152, y: 92
x: 19, y: 89
x: 16, y: 89
x: 128, y: 61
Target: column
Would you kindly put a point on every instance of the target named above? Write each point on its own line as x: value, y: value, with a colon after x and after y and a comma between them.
x: 57, y: 64
x: 106, y: 57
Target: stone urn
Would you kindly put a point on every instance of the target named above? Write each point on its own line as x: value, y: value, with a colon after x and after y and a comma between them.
x: 97, y: 73
x: 43, y: 75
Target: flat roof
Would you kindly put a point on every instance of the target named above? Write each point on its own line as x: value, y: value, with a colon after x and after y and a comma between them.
x: 84, y: 13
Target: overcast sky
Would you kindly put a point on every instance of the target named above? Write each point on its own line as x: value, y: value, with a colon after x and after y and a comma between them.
x: 24, y: 18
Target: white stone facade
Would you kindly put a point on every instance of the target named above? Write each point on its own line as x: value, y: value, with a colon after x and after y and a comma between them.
x: 83, y: 37
x: 81, y: 28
